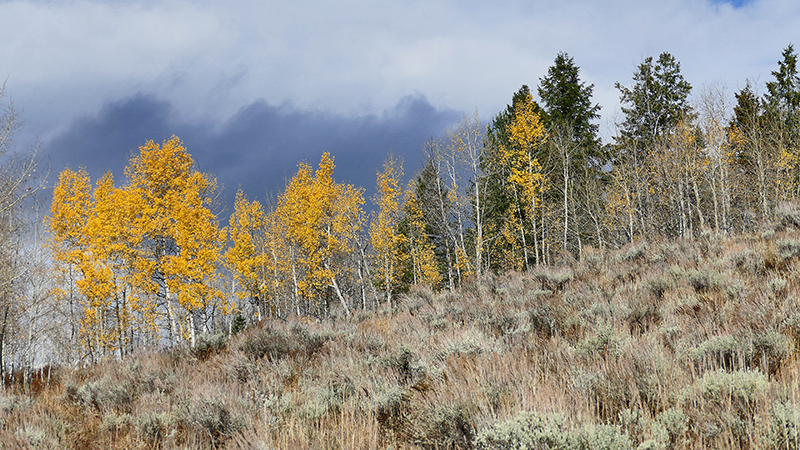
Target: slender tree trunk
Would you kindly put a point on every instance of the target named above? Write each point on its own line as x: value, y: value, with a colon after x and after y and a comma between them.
x: 335, y: 286
x: 6, y: 308
x: 173, y: 328
x: 697, y: 201
x: 566, y: 205
x: 192, y: 329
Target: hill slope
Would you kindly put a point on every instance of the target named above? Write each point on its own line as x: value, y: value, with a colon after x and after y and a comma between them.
x: 660, y: 345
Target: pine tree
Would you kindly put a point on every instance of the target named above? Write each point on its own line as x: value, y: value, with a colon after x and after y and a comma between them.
x: 574, y: 157
x: 657, y: 101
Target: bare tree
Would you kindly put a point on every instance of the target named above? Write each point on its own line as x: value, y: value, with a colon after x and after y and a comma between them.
x: 18, y: 182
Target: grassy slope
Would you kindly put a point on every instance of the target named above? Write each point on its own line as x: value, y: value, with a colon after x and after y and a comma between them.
x: 666, y: 345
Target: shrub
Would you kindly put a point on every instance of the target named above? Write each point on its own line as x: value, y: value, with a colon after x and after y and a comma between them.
x: 553, y: 279
x: 275, y: 344
x: 215, y: 417
x: 325, y: 399
x: 784, y: 432
x: 405, y: 363
x: 602, y: 437
x: 267, y: 343
x: 603, y: 343
x: 702, y: 280
x: 671, y: 426
x: 788, y: 248
x: 770, y: 349
x: 748, y: 262
x: 392, y: 408
x: 445, y: 426
x: 725, y: 405
x: 788, y: 216
x: 644, y: 313
x: 152, y: 427
x: 725, y: 352
x: 635, y: 251
x: 208, y: 345
x: 528, y: 430
x: 658, y: 286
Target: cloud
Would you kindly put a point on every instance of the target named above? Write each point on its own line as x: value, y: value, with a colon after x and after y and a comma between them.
x: 259, y: 146
x: 329, y: 72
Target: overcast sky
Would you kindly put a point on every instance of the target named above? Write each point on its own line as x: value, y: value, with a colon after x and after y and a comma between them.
x: 251, y: 87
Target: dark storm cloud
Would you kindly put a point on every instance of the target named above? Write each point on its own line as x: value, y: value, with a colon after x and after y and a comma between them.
x: 106, y: 141
x: 258, y: 147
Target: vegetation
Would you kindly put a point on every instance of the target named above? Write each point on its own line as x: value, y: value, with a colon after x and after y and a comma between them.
x: 669, y: 344
x: 530, y: 287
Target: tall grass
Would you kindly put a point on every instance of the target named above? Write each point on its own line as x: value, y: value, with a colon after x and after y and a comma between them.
x: 671, y: 345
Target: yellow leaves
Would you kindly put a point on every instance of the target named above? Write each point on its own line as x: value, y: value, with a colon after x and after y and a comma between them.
x: 420, y: 251
x: 119, y: 237
x: 383, y: 230
x: 321, y: 219
x: 786, y: 165
x: 246, y: 255
x: 69, y: 212
x: 527, y: 135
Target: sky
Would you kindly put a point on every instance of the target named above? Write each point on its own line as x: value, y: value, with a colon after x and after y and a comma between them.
x: 254, y: 87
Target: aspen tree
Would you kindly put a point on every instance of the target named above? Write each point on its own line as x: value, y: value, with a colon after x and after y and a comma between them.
x: 384, y: 235
x: 322, y: 219
x: 418, y: 245
x: 525, y: 178
x: 714, y: 116
x: 246, y: 257
x: 179, y: 242
x: 467, y: 141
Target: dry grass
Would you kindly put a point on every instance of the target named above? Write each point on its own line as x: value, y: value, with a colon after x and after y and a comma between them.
x: 673, y: 345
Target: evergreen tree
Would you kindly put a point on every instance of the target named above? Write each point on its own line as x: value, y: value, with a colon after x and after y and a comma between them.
x: 567, y: 100
x: 784, y: 92
x: 574, y: 156
x: 656, y: 103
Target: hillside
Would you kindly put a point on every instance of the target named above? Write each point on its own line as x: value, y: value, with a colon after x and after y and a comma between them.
x: 662, y: 345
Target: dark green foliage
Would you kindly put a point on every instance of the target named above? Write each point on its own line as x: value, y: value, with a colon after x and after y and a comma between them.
x: 783, y: 93
x: 567, y: 101
x: 239, y: 323
x: 657, y: 101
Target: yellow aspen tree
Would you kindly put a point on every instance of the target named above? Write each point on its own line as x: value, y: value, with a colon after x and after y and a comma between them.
x: 322, y: 219
x: 525, y: 178
x: 191, y: 271
x: 419, y: 249
x: 81, y: 240
x: 69, y: 214
x: 181, y: 241
x: 109, y: 249
x: 386, y: 239
x: 70, y: 211
x: 620, y: 206
x: 278, y: 272
x: 246, y: 256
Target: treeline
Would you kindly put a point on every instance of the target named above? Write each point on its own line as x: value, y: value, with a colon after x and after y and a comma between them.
x: 149, y: 263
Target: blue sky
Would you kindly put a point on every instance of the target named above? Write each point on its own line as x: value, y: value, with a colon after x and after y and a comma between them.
x: 252, y: 87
